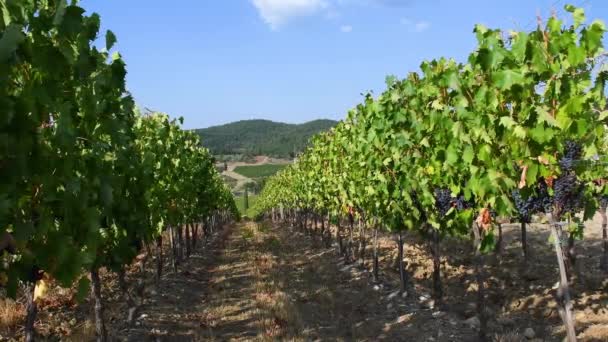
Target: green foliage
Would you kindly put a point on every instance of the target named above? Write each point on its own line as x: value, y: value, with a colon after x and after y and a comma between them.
x: 231, y: 182
x: 240, y: 203
x: 246, y: 200
x: 261, y: 137
x: 84, y: 177
x: 470, y: 128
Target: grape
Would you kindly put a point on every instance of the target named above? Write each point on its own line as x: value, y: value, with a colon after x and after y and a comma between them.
x: 462, y: 203
x: 572, y: 153
x: 443, y: 201
x: 525, y: 207
x: 568, y: 194
x: 604, y: 201
x: 542, y: 202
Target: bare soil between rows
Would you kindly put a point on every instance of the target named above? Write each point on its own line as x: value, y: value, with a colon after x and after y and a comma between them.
x: 266, y: 282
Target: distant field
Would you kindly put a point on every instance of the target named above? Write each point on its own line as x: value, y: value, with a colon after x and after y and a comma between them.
x: 259, y: 171
x: 240, y: 203
x: 231, y: 182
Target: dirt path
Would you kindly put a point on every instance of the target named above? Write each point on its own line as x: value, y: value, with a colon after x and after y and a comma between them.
x: 265, y: 282
x: 259, y: 282
x: 174, y: 311
x: 240, y: 179
x: 259, y: 160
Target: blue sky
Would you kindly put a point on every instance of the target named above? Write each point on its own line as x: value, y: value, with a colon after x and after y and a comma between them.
x: 217, y: 61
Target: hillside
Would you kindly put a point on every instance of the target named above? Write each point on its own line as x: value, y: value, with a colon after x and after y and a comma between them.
x: 261, y: 137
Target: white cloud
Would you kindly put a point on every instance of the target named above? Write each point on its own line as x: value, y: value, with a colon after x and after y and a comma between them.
x: 277, y: 12
x: 422, y: 26
x: 346, y: 28
x: 416, y: 26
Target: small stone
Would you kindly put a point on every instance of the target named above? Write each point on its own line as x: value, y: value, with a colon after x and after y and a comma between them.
x: 453, y: 322
x: 73, y: 322
x: 376, y: 288
x: 143, y: 316
x: 438, y: 314
x: 529, y: 333
x: 429, y: 304
x: 473, y: 322
x: 153, y: 293
x: 403, y: 318
x: 138, y: 323
x: 389, y: 306
x: 404, y: 294
x: 424, y: 297
x: 392, y: 295
x: 346, y: 268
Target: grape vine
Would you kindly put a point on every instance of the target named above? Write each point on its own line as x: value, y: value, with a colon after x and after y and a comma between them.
x: 85, y: 180
x: 453, y: 147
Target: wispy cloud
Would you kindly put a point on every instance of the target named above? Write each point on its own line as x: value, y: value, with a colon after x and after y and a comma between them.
x: 422, y: 26
x: 346, y: 28
x: 389, y: 3
x: 416, y: 26
x: 277, y: 12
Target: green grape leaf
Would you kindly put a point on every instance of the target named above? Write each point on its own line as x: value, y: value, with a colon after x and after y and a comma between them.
x: 110, y: 40
x: 576, y: 55
x: 518, y: 48
x: 60, y: 12
x: 6, y: 15
x: 519, y: 132
x: 84, y: 285
x: 488, y: 243
x: 468, y: 155
x: 593, y: 35
x: 532, y: 174
x: 505, y: 79
x: 577, y: 13
x: 507, y: 121
x: 12, y: 37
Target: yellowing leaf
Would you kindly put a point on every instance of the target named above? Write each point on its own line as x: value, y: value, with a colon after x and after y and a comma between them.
x: 519, y: 132
x: 468, y: 155
x: 507, y: 121
x: 40, y: 289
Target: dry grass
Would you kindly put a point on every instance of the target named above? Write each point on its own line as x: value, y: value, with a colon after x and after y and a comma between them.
x: 277, y: 316
x: 83, y: 332
x: 11, y: 315
x: 509, y: 337
x: 596, y: 332
x: 264, y: 262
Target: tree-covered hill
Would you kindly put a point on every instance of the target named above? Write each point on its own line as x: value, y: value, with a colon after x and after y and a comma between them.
x: 261, y: 137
